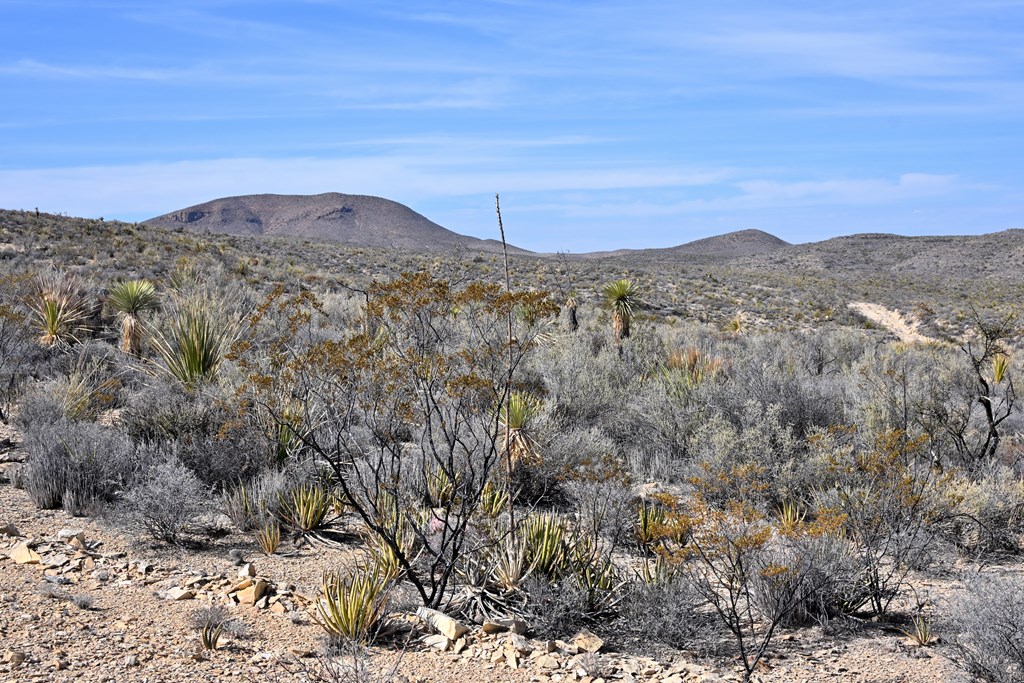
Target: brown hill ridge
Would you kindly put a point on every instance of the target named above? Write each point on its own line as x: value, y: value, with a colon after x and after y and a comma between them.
x: 355, y: 220
x: 731, y: 245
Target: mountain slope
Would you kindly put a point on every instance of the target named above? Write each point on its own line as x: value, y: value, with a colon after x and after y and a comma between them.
x: 728, y: 246
x: 355, y: 220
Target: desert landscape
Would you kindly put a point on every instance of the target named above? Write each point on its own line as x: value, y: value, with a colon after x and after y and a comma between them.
x: 273, y: 454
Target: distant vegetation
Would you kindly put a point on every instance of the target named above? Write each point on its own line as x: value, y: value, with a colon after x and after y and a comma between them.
x: 710, y: 452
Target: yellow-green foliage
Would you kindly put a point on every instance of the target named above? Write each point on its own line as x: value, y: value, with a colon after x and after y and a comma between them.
x: 353, y: 603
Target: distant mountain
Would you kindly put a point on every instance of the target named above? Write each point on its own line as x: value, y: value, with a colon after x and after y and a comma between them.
x: 728, y: 246
x: 992, y: 255
x: 354, y: 220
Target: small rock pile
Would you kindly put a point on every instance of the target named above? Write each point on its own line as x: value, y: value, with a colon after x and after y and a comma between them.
x: 502, y: 642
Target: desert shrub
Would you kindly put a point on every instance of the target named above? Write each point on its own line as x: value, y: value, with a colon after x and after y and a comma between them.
x: 18, y: 352
x: 890, y: 504
x: 760, y: 438
x: 763, y: 369
x: 602, y: 501
x: 988, y: 638
x: 167, y: 502
x: 76, y: 465
x: 665, y: 606
x: 820, y: 581
x: 250, y: 505
x: 556, y: 609
x: 207, y: 432
x: 989, y: 516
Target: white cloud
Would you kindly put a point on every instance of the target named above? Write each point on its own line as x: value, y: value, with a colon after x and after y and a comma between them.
x: 154, y: 188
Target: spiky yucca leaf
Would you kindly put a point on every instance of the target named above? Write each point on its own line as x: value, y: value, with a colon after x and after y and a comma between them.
x: 545, y: 538
x: 197, y: 342
x: 305, y: 508
x: 493, y: 500
x: 352, y: 604
x: 1000, y: 366
x: 132, y: 299
x: 622, y: 297
x: 517, y: 418
x: 269, y: 537
x: 61, y: 308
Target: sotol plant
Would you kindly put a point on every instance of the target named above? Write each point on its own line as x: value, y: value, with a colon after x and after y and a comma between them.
x: 196, y: 344
x: 61, y: 308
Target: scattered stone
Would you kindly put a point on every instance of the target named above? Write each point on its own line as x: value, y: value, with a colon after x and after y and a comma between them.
x: 587, y: 641
x: 252, y: 594
x: 9, y: 530
x: 548, y: 662
x: 438, y: 642
x: 180, y: 594
x: 442, y: 623
x: 14, y: 657
x: 131, y: 660
x: 67, y: 535
x: 22, y: 554
x: 247, y: 570
x: 520, y: 644
x: 500, y: 625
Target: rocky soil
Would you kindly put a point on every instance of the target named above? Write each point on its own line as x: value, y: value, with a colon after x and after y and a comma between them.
x: 82, y: 601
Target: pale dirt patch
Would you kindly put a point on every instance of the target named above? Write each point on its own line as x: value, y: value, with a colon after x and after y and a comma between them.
x: 907, y: 330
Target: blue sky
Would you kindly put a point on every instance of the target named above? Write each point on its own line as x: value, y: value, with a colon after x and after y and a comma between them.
x: 602, y: 124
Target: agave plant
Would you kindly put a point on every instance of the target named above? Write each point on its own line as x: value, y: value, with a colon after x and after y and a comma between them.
x: 269, y: 537
x: 305, y: 508
x: 196, y: 344
x: 650, y: 523
x: 516, y: 420
x: 353, y: 604
x: 545, y: 537
x: 493, y: 500
x: 622, y: 297
x: 61, y: 308
x: 132, y: 299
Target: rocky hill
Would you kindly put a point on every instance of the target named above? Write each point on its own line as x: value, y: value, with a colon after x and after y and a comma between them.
x: 355, y: 220
x: 722, y: 247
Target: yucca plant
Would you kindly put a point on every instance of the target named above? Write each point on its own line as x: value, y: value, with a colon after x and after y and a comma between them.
x: 268, y: 537
x: 600, y: 582
x: 517, y: 418
x: 622, y: 297
x: 132, y: 299
x: 353, y: 604
x: 1000, y: 366
x: 304, y: 508
x: 61, y: 308
x: 196, y: 343
x: 209, y: 635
